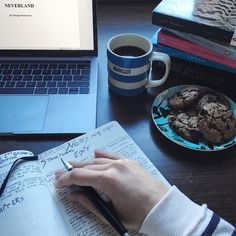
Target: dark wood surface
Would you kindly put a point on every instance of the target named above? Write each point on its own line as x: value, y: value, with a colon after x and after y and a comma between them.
x: 205, y: 177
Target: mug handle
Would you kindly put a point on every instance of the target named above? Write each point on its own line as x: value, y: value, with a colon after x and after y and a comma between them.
x: 158, y: 56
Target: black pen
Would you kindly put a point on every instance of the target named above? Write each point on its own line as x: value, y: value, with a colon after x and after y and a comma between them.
x: 101, y: 205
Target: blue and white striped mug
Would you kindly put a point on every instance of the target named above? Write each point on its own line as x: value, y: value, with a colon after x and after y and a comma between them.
x: 130, y: 58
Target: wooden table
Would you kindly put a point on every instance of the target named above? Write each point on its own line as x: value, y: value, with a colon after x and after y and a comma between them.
x: 205, y: 177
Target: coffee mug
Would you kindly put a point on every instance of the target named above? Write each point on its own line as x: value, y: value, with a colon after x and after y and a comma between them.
x: 130, y: 58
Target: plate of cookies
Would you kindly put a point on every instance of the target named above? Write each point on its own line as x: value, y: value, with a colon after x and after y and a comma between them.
x: 196, y: 117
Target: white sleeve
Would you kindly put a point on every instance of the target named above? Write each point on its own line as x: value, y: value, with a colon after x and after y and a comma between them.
x: 177, y: 215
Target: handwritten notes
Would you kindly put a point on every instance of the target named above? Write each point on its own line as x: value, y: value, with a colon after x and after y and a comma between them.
x: 76, y: 149
x: 8, y: 158
x: 31, y: 195
x: 110, y: 137
x: 10, y: 203
x: 25, y: 198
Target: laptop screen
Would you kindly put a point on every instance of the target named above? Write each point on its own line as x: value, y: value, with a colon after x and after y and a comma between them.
x: 48, y: 28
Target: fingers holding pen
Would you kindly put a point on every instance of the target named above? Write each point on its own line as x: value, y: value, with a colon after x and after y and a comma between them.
x: 87, y: 173
x: 101, y: 157
x: 107, y: 155
x: 77, y: 176
x: 102, y: 161
x: 96, y: 161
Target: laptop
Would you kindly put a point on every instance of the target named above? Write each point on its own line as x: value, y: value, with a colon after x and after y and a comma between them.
x: 48, y: 67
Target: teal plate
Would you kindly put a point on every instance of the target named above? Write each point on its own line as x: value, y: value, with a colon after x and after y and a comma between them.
x: 160, y: 111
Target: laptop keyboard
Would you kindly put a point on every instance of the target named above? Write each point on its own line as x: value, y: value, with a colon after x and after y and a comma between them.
x: 45, y: 78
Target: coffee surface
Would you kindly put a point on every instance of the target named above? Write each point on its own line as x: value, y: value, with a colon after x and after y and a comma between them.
x: 129, y: 51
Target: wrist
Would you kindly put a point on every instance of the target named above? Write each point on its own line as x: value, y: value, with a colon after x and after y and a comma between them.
x: 152, y: 198
x: 175, y: 214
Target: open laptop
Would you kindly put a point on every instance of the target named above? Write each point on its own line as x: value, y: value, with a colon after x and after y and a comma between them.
x: 48, y: 67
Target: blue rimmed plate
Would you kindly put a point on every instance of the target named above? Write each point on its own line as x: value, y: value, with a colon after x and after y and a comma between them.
x: 160, y: 111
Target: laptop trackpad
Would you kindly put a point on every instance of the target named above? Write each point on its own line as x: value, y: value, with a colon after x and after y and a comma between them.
x: 22, y: 113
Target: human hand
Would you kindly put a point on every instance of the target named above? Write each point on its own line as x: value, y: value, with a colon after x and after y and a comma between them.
x: 132, y: 191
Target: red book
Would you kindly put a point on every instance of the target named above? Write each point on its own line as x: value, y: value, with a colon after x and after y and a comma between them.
x: 174, y: 41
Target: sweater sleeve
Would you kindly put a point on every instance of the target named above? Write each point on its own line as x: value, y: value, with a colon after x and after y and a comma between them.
x: 177, y: 215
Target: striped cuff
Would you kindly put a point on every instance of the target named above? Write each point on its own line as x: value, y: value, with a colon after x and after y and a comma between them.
x: 211, y: 227
x: 176, y: 215
x: 234, y: 233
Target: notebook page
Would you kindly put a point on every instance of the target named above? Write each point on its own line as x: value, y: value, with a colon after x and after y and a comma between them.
x: 25, y: 199
x: 110, y: 137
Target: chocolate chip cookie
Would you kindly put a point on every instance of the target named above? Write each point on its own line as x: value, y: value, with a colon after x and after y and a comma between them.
x: 217, y: 123
x: 184, y: 98
x: 185, y: 124
x: 212, y: 97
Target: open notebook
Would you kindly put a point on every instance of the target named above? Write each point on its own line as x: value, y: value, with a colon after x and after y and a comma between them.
x: 30, y: 195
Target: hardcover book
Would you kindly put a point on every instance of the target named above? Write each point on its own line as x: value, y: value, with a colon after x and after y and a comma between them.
x: 173, y: 52
x: 187, y: 68
x: 31, y: 206
x: 171, y: 40
x: 222, y: 49
x: 209, y: 19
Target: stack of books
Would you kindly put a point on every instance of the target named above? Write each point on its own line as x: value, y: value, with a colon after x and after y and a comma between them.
x: 199, y: 36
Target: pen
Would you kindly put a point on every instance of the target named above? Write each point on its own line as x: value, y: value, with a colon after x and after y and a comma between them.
x: 101, y: 205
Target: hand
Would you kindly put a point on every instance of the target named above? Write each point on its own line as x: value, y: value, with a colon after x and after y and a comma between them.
x: 132, y: 191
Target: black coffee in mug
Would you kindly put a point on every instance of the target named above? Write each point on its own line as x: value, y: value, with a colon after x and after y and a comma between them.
x: 131, y: 51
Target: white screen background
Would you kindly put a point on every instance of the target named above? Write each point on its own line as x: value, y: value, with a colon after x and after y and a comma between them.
x: 48, y: 25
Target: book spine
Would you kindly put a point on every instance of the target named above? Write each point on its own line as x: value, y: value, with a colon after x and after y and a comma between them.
x: 171, y: 40
x: 224, y: 50
x: 193, y: 58
x: 192, y: 27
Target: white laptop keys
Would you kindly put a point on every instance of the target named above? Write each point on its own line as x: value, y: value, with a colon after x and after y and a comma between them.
x: 48, y: 67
